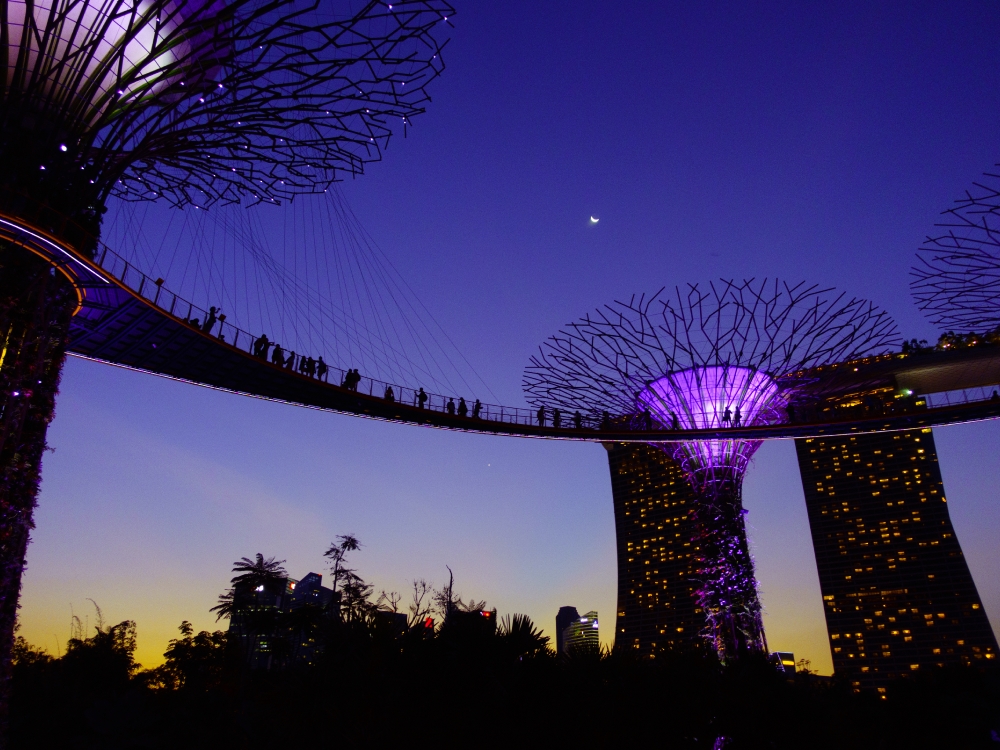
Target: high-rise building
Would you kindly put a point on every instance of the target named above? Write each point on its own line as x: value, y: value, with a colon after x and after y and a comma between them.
x: 259, y: 633
x: 583, y: 635
x: 897, y: 591
x: 783, y: 661
x: 656, y: 555
x: 564, y: 617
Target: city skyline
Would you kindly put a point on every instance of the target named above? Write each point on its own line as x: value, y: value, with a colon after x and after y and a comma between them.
x: 284, y: 451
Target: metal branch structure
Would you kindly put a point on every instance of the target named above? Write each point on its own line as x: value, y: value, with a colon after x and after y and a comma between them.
x: 727, y: 354
x: 191, y: 102
x: 956, y: 281
x: 197, y: 101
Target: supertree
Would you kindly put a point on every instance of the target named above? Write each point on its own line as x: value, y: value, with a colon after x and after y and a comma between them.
x: 191, y: 102
x: 956, y: 281
x: 718, y: 356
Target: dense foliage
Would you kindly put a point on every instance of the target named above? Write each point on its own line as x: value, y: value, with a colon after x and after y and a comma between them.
x: 374, y: 678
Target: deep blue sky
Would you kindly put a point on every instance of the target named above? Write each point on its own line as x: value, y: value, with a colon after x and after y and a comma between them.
x: 808, y: 141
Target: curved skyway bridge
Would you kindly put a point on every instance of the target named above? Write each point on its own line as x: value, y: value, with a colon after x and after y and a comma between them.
x: 128, y: 319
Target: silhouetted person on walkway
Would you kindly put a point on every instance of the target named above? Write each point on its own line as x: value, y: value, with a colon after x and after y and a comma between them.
x: 541, y: 416
x: 736, y: 417
x: 476, y: 408
x: 389, y: 395
x: 675, y: 423
x: 605, y: 421
x: 210, y: 320
x: 261, y: 346
x: 727, y: 417
x: 995, y: 396
x: 556, y: 418
x: 463, y: 410
x: 647, y: 420
x: 791, y: 412
x: 322, y: 370
x: 421, y: 398
x: 195, y: 323
x: 290, y: 361
x: 577, y: 420
x: 311, y: 367
x: 451, y: 406
x: 278, y: 356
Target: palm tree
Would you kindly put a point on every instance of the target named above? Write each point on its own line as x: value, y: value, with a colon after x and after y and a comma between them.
x: 257, y: 573
x: 226, y: 606
x: 521, y: 638
x: 337, y: 554
x: 251, y: 621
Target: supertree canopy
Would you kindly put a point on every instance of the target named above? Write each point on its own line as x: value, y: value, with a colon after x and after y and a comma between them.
x: 190, y: 102
x: 716, y: 356
x: 956, y: 281
x: 195, y: 101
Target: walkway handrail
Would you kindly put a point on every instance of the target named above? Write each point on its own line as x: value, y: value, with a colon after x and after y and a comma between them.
x: 147, y: 288
x: 185, y: 312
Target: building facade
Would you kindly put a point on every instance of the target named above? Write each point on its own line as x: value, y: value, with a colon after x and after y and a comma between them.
x: 582, y: 635
x: 261, y: 623
x: 897, y: 592
x: 564, y: 617
x: 656, y: 557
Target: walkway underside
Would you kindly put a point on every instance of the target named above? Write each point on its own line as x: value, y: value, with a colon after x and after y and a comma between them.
x: 126, y: 319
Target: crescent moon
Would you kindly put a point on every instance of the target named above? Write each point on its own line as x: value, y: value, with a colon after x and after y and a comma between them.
x: 593, y: 220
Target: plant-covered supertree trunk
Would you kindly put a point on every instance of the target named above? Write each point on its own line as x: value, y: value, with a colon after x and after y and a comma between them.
x: 727, y: 592
x: 36, y: 304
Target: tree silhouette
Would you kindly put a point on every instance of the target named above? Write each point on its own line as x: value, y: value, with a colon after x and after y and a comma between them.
x: 258, y: 572
x: 337, y: 555
x: 520, y: 638
x: 247, y: 604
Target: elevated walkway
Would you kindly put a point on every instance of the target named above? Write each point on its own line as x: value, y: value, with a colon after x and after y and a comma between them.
x: 127, y: 319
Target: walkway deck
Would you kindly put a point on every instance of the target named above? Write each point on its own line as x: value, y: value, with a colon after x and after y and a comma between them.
x: 128, y: 320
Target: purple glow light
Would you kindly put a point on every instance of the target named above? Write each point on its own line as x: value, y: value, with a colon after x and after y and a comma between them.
x: 714, y: 397
x: 140, y: 47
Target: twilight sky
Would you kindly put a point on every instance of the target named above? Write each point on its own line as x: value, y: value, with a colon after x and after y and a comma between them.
x: 806, y: 141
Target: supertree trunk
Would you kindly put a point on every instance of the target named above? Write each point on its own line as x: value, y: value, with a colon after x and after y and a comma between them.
x: 36, y: 305
x: 727, y: 592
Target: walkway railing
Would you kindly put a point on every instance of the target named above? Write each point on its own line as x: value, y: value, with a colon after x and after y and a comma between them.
x: 157, y: 295
x: 153, y: 291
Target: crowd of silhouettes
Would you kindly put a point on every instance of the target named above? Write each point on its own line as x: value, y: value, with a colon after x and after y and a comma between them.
x: 318, y: 369
x: 351, y: 380
x: 264, y: 349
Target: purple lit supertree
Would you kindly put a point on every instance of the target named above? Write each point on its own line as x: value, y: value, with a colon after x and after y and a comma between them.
x: 191, y: 102
x: 956, y: 281
x: 716, y: 356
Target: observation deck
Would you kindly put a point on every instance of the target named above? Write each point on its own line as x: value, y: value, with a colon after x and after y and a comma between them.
x: 129, y: 320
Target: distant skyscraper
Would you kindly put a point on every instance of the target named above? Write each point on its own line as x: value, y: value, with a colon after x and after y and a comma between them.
x: 784, y: 661
x: 897, y: 592
x: 583, y: 634
x: 656, y: 555
x: 565, y: 616
x: 280, y: 596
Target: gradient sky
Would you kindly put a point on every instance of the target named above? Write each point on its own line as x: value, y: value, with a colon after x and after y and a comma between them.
x: 808, y: 141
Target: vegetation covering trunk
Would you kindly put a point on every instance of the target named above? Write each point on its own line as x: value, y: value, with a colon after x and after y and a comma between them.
x: 727, y: 592
x: 36, y: 304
